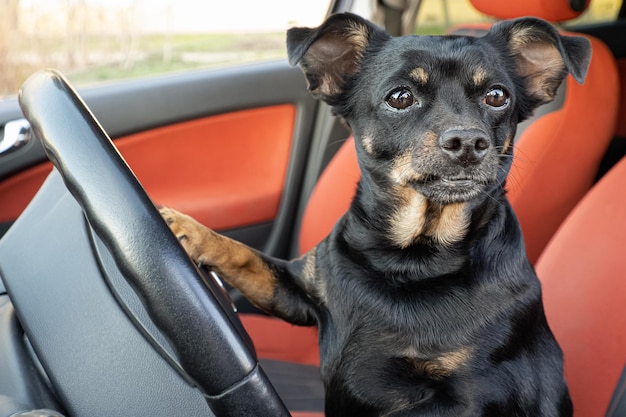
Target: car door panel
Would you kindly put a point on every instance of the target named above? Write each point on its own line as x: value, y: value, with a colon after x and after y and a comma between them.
x: 226, y: 146
x: 226, y: 171
x: 17, y: 190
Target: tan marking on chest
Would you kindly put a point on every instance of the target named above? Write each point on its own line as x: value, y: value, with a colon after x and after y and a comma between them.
x: 449, y: 225
x: 451, y: 361
x: 415, y: 217
x: 407, y: 223
x: 442, y: 366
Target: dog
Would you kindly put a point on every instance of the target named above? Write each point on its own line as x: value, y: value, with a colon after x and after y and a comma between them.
x: 425, y: 301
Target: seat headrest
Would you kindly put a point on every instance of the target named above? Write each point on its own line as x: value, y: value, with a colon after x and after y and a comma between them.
x: 551, y: 10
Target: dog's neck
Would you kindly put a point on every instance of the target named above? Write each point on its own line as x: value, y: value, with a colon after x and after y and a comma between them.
x: 400, y: 217
x: 418, y: 219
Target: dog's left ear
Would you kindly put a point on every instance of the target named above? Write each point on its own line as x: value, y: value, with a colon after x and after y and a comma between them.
x: 331, y: 52
x: 542, y: 56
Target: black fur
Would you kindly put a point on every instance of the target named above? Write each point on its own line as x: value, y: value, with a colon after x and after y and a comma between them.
x: 387, y: 309
x: 425, y: 301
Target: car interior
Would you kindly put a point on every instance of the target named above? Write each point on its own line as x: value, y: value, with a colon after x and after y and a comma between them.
x: 103, y: 314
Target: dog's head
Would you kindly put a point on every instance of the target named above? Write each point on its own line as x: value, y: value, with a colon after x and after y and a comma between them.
x: 436, y: 113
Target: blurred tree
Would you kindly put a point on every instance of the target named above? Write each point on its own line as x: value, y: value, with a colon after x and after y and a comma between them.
x: 76, y: 32
x: 9, y: 15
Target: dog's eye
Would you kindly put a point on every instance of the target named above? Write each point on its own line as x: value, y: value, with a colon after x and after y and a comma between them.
x: 400, y: 98
x: 497, y: 98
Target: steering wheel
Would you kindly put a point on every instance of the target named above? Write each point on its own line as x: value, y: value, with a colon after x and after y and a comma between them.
x: 210, y: 348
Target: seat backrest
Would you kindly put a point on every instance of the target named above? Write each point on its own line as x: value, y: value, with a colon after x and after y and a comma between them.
x: 557, y: 154
x: 331, y: 196
x: 583, y: 274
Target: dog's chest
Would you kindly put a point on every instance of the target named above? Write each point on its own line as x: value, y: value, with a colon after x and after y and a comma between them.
x: 416, y: 218
x: 370, y: 332
x: 367, y: 356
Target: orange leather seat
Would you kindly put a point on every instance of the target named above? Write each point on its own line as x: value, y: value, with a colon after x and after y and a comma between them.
x: 558, y: 155
x: 584, y: 289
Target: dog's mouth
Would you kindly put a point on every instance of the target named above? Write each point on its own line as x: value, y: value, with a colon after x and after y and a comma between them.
x: 458, y: 182
x: 451, y: 189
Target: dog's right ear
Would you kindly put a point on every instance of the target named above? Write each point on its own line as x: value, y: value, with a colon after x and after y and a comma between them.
x: 331, y: 52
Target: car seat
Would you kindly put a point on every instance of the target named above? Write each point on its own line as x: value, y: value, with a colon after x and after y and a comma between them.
x: 584, y: 290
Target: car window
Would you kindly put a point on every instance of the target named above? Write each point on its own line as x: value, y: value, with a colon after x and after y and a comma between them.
x: 438, y: 17
x: 599, y: 11
x: 102, y: 40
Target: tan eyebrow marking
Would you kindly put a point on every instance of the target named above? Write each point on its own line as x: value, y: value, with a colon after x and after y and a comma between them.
x: 480, y: 76
x: 420, y: 75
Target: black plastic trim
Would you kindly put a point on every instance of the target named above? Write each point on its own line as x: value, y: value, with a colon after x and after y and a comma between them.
x: 21, y: 385
x: 611, y: 33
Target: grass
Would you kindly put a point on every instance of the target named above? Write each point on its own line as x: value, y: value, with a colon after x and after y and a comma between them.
x: 101, y: 58
x: 162, y: 54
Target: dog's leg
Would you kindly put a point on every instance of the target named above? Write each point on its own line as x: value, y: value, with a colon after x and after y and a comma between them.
x: 275, y: 286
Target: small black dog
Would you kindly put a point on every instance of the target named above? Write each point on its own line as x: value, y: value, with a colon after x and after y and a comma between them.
x: 425, y: 301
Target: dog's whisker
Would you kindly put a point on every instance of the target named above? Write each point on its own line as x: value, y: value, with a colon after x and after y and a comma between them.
x: 520, y: 154
x: 489, y: 196
x: 337, y: 142
x: 512, y: 179
x: 493, y: 198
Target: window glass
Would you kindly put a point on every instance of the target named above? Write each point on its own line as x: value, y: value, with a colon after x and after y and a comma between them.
x: 599, y: 11
x: 101, y: 40
x: 439, y: 16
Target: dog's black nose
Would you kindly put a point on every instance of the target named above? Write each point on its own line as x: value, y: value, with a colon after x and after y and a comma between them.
x: 467, y: 146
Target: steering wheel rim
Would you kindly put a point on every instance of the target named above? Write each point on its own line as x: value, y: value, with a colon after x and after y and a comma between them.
x: 209, y: 347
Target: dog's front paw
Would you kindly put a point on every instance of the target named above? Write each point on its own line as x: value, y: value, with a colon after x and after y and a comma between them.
x: 195, y: 237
